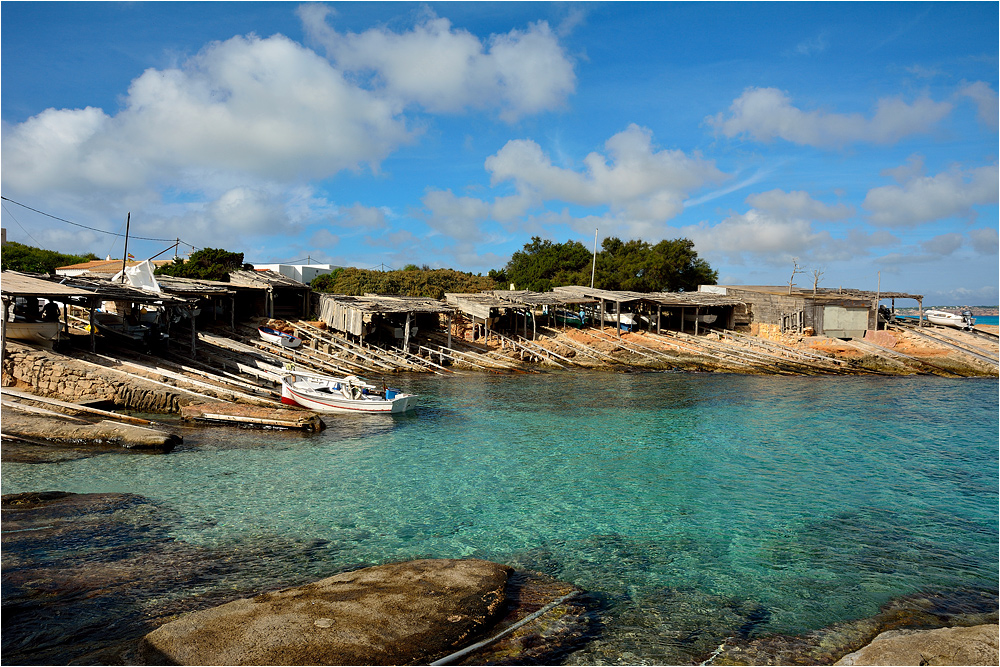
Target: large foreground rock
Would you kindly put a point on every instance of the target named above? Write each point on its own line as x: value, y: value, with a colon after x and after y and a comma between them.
x: 977, y: 645
x: 389, y: 614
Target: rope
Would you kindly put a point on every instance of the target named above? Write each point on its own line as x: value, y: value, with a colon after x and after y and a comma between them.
x: 448, y: 659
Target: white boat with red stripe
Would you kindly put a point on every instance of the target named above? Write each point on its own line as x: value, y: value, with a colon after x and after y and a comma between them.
x: 347, y: 394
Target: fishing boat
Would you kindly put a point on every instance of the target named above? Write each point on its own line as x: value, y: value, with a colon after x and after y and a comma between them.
x: 945, y: 319
x: 347, y: 394
x: 45, y: 334
x: 706, y: 318
x: 279, y: 337
x: 568, y: 317
x: 130, y: 331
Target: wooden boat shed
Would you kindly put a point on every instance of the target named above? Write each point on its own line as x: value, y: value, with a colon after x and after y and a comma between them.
x: 394, y: 317
x: 81, y: 292
x: 486, y: 308
x: 837, y: 313
x: 267, y: 293
x: 674, y: 306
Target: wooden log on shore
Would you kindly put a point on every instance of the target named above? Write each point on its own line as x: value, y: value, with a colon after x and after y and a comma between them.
x: 252, y: 415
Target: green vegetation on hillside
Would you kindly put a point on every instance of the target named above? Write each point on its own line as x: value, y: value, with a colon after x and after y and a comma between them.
x: 28, y: 259
x: 411, y: 281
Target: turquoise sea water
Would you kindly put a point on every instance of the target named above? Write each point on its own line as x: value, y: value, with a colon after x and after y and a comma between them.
x: 815, y: 500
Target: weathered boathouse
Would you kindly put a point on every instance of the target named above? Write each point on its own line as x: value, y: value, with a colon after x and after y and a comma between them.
x: 391, y: 320
x: 836, y: 313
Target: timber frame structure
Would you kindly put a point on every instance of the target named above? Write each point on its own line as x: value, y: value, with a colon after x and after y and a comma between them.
x: 676, y: 302
x: 80, y: 292
x: 372, y: 314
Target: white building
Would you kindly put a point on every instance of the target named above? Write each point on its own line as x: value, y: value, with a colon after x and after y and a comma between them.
x: 304, y: 273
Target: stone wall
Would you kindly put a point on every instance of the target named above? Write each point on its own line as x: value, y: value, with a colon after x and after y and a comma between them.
x: 46, y: 374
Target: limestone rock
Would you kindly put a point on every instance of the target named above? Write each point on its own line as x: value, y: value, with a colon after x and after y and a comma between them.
x: 977, y: 645
x: 104, y: 434
x: 388, y: 614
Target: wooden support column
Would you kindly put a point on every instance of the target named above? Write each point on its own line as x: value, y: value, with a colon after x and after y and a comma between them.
x: 602, y: 314
x: 406, y: 333
x: 232, y: 312
x: 3, y: 331
x: 658, y: 309
x: 618, y: 317
x: 194, y: 334
x: 65, y: 318
x: 683, y: 314
x: 449, y: 331
x: 920, y: 309
x: 486, y: 326
x: 93, y: 328
x: 697, y: 314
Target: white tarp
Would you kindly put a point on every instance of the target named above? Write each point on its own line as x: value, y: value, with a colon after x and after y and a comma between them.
x: 141, y: 276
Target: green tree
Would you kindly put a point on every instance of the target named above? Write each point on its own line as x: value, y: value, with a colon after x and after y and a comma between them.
x: 542, y: 265
x: 637, y: 266
x: 29, y: 259
x: 206, y: 264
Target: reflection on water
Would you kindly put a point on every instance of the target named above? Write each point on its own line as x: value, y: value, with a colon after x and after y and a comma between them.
x: 694, y: 507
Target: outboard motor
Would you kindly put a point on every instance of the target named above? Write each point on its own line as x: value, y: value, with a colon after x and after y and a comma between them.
x: 967, y: 317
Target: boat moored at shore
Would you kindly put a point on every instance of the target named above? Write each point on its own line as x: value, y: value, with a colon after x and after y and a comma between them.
x: 348, y: 394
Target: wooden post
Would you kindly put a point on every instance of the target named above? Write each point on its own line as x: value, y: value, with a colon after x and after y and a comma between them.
x: 232, y: 312
x: 194, y: 334
x: 486, y: 326
x: 618, y: 317
x: 65, y: 318
x: 920, y: 312
x: 602, y: 313
x: 697, y: 314
x: 93, y: 328
x: 406, y: 333
x: 683, y: 313
x: 128, y: 218
x: 449, y: 331
x: 658, y: 308
x: 3, y: 331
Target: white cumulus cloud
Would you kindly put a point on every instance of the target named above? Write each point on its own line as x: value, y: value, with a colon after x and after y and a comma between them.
x: 765, y: 114
x: 445, y: 69
x: 924, y: 199
x: 632, y: 178
x: 267, y: 108
x: 797, y: 204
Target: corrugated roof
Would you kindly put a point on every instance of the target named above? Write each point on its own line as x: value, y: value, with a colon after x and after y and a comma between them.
x: 682, y: 299
x: 108, y: 266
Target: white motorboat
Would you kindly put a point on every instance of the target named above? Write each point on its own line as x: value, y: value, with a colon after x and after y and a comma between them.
x: 279, y: 337
x: 945, y: 319
x: 346, y: 394
x: 45, y: 334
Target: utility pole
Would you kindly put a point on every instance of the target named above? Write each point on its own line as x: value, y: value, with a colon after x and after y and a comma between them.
x: 128, y: 219
x: 593, y: 269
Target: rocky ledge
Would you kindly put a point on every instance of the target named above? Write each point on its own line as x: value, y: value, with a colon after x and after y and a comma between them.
x: 977, y: 645
x: 403, y: 613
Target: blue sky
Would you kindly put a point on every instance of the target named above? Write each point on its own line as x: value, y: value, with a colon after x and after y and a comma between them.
x: 852, y: 140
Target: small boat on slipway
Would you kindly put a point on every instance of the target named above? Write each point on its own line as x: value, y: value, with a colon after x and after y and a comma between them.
x: 279, y: 337
x: 347, y: 394
x: 945, y: 319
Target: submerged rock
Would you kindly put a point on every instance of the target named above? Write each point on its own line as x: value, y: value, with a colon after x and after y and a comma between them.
x: 382, y: 615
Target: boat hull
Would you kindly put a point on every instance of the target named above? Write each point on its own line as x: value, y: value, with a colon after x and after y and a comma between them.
x: 945, y: 319
x: 38, y: 333
x: 312, y: 397
x: 279, y: 337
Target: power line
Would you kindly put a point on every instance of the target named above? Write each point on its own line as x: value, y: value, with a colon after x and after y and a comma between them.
x: 21, y: 226
x: 77, y: 224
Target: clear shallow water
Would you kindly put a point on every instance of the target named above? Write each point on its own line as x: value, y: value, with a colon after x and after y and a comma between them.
x: 813, y: 500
